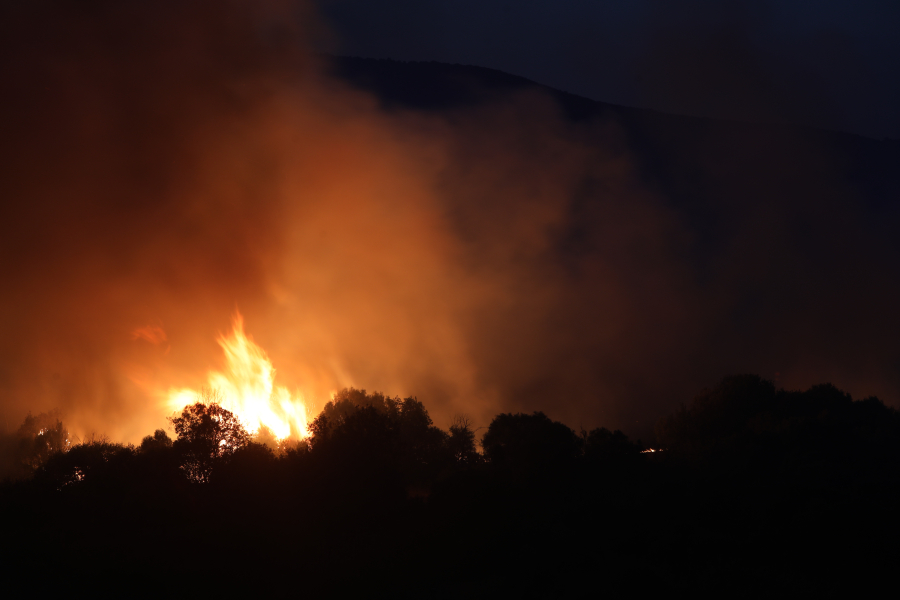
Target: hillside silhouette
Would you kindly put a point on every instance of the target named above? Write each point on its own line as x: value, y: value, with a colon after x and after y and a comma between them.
x: 750, y: 489
x: 673, y: 151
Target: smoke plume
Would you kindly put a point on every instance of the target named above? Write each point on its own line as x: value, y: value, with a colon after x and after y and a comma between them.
x: 165, y: 164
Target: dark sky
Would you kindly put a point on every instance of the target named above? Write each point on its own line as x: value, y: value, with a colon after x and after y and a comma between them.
x: 829, y: 63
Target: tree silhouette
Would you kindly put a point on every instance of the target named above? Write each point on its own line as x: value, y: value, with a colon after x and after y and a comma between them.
x: 408, y: 417
x: 718, y: 417
x: 160, y: 440
x: 603, y: 445
x: 746, y: 416
x: 529, y: 442
x: 383, y: 433
x: 207, y: 434
x: 346, y: 403
x: 461, y: 442
x: 40, y: 437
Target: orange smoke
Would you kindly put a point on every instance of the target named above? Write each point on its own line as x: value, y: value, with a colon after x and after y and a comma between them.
x: 150, y: 333
x: 247, y: 389
x: 171, y: 160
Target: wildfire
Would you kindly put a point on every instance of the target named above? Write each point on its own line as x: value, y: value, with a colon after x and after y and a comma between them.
x: 247, y: 388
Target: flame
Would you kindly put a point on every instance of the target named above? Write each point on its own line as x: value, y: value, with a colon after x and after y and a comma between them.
x: 247, y: 389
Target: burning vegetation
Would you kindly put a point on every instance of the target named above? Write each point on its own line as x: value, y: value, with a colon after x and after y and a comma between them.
x: 247, y: 389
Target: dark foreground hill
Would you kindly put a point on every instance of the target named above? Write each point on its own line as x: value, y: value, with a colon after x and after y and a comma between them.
x: 758, y: 491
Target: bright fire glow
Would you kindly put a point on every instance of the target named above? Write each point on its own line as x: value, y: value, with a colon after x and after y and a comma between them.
x: 247, y: 388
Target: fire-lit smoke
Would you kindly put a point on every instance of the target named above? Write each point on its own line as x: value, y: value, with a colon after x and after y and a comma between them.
x: 164, y: 162
x: 247, y: 388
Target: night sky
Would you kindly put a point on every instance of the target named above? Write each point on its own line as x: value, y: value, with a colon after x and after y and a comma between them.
x: 828, y: 63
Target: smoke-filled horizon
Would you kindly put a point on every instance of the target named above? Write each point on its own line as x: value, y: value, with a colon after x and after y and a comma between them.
x: 167, y: 165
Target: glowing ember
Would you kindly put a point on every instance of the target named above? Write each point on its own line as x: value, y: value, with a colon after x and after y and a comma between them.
x: 247, y: 389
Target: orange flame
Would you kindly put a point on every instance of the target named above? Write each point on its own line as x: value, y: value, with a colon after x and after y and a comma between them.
x: 247, y: 389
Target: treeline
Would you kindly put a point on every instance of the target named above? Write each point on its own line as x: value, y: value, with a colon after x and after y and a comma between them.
x: 356, y: 430
x: 750, y: 489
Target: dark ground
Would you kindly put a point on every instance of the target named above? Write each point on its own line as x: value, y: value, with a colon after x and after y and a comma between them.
x: 759, y: 492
